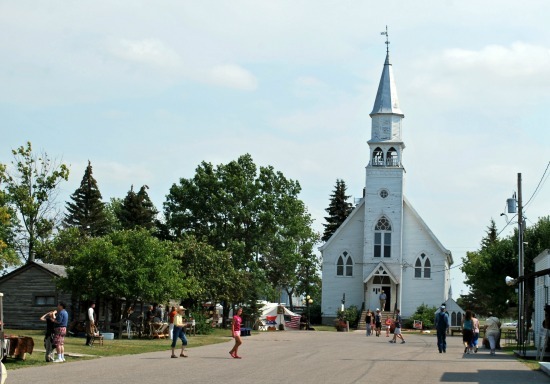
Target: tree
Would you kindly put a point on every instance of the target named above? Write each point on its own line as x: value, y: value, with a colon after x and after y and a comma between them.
x: 339, y: 209
x: 31, y: 188
x: 209, y: 272
x: 125, y: 264
x: 86, y: 211
x: 254, y: 215
x: 137, y: 210
x: 61, y: 247
x: 8, y: 226
x: 486, y: 268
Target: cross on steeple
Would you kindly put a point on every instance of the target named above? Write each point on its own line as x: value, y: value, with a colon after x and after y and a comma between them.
x: 387, y: 41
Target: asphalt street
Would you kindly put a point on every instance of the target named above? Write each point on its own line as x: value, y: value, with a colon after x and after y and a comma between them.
x: 298, y: 357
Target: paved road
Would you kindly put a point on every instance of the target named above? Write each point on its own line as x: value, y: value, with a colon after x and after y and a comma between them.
x: 299, y: 357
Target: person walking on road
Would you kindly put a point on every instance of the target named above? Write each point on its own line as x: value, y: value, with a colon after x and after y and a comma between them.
x: 468, y: 332
x: 397, y: 329
x: 236, y: 333
x: 476, y: 332
x: 492, y: 331
x: 179, y: 333
x: 368, y: 321
x: 378, y: 322
x: 441, y: 326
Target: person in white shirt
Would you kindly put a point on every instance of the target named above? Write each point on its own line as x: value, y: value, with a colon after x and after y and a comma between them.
x: 90, y: 325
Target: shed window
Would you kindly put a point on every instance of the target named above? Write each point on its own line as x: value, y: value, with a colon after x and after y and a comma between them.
x: 44, y: 300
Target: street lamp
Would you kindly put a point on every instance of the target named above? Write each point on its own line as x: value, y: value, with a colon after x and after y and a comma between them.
x: 308, y: 301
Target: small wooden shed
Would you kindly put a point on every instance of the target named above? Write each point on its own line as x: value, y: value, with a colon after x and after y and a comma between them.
x: 29, y: 292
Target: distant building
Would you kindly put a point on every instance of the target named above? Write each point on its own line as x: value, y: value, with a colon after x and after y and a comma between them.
x: 29, y: 292
x: 542, y: 262
x: 384, y: 245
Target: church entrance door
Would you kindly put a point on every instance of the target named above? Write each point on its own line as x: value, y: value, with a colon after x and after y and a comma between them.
x: 374, y: 297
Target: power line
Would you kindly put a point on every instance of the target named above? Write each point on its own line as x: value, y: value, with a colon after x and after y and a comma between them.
x: 542, y: 179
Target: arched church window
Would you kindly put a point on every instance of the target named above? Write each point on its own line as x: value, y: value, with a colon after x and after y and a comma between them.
x: 418, y: 269
x: 382, y: 238
x: 344, y: 265
x: 377, y: 157
x: 391, y: 158
x: 422, y: 267
x: 349, y: 267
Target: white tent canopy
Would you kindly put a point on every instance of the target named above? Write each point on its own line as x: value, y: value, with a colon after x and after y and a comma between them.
x: 273, y: 316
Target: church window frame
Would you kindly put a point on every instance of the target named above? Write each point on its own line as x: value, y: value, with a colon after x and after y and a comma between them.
x: 344, y: 265
x: 423, y: 267
x: 382, y: 238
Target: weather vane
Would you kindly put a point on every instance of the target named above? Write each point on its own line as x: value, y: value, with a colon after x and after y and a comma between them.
x: 387, y: 41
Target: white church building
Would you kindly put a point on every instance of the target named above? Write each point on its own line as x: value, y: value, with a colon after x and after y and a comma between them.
x: 384, y: 245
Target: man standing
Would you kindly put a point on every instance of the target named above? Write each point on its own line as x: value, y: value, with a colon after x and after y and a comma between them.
x: 60, y: 330
x: 90, y: 325
x: 441, y: 326
x: 382, y: 298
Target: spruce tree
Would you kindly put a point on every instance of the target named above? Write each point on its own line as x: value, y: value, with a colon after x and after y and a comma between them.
x: 338, y: 209
x: 137, y: 210
x: 87, y: 211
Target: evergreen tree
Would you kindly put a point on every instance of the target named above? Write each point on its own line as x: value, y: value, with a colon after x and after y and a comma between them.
x: 491, y: 236
x: 137, y: 210
x: 87, y: 211
x: 338, y: 209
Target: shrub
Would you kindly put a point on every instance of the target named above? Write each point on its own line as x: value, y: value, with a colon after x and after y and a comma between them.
x: 350, y: 314
x: 425, y: 314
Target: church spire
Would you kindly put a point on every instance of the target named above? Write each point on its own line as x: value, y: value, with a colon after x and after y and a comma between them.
x: 386, y: 101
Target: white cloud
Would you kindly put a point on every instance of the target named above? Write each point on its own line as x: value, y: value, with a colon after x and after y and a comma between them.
x: 147, y: 51
x: 232, y: 76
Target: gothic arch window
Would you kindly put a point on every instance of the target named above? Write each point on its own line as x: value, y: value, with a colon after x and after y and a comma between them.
x: 344, y: 265
x: 377, y: 157
x: 382, y: 238
x: 423, y: 267
x: 391, y: 158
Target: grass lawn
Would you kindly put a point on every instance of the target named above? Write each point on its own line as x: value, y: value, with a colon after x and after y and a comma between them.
x: 75, y: 345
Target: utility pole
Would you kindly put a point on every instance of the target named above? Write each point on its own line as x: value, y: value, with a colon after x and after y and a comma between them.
x: 521, y: 272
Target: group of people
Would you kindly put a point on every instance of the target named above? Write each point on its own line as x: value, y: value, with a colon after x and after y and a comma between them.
x: 57, y: 321
x: 56, y: 329
x: 375, y: 319
x: 470, y: 331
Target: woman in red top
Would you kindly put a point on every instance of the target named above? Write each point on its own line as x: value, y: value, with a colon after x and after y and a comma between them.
x: 236, y: 333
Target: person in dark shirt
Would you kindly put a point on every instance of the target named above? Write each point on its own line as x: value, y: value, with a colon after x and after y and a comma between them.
x: 48, y: 338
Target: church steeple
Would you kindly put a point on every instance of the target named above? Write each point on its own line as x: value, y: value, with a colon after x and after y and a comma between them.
x: 386, y: 101
x: 386, y: 144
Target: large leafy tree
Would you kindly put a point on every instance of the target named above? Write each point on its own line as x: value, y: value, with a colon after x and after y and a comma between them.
x: 338, y: 210
x: 497, y: 258
x: 137, y: 210
x: 86, y: 211
x: 253, y: 214
x: 60, y: 248
x: 30, y: 186
x: 131, y: 264
x: 209, y: 272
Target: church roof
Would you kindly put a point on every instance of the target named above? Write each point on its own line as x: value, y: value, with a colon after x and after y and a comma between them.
x: 407, y: 204
x: 343, y: 225
x: 386, y: 101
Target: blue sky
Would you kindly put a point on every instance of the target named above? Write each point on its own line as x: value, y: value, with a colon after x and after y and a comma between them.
x: 147, y: 91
